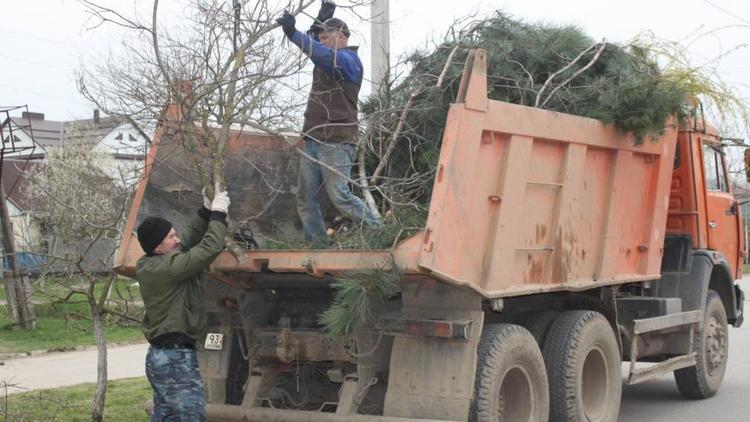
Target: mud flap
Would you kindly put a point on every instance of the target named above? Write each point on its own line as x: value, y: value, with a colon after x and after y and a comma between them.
x: 434, y: 378
x: 214, y: 366
x: 740, y: 312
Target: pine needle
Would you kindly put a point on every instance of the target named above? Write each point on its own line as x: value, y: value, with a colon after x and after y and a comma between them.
x: 352, y: 306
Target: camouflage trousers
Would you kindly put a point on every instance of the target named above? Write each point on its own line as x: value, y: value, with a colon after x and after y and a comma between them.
x: 177, y: 385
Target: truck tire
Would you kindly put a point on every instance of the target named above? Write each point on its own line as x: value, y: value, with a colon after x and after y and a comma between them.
x: 538, y: 323
x: 511, y: 382
x: 711, y: 352
x: 584, y: 368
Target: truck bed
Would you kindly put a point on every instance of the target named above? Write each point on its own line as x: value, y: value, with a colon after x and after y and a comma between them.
x: 525, y: 201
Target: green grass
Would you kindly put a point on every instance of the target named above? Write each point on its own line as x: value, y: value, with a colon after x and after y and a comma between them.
x: 746, y: 268
x: 124, y: 402
x: 61, y: 326
x: 124, y: 288
x: 58, y: 334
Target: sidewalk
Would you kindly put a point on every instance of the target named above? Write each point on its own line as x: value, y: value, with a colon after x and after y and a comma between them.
x: 70, y: 368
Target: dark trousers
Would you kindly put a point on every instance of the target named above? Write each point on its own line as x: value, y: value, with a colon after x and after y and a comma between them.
x: 315, y: 178
x: 177, y: 385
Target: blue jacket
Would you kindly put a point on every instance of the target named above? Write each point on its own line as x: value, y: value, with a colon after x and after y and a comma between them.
x: 341, y: 64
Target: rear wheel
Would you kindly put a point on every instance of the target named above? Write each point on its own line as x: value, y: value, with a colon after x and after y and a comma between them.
x: 511, y: 382
x: 538, y: 323
x: 583, y: 366
x: 711, y: 353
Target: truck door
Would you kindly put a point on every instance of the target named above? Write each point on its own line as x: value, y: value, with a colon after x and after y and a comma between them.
x: 722, y: 209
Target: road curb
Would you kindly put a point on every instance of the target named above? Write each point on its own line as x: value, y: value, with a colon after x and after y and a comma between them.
x: 32, y: 353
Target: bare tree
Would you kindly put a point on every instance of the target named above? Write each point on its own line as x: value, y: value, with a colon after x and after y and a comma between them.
x: 17, y: 287
x: 221, y: 65
x: 84, y: 208
x: 225, y: 65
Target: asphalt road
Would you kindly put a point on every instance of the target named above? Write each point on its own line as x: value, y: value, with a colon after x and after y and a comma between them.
x: 655, y: 401
x: 659, y: 400
x: 69, y: 368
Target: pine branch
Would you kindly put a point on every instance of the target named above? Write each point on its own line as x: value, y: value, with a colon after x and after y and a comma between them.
x: 352, y: 306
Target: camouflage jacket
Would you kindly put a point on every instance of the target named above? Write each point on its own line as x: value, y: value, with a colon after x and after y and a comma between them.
x: 171, y: 286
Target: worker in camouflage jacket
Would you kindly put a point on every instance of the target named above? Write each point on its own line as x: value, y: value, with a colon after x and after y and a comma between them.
x: 173, y: 295
x: 330, y: 127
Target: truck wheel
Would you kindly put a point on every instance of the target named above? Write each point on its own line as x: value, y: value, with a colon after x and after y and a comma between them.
x: 711, y: 352
x: 538, y: 323
x: 583, y: 365
x: 511, y: 382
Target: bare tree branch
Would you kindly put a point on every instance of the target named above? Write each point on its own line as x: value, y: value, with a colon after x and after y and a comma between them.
x: 566, y: 67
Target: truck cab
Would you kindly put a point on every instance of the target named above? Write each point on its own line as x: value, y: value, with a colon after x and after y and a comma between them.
x: 704, y: 212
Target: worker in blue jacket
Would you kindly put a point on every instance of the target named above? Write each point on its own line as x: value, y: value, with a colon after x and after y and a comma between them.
x: 330, y: 126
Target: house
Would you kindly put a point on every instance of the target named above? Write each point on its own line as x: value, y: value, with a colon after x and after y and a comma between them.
x: 114, y: 137
x: 31, y: 136
x: 28, y: 232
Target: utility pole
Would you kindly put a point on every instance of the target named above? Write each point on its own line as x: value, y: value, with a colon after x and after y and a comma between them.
x: 17, y: 285
x: 380, y: 36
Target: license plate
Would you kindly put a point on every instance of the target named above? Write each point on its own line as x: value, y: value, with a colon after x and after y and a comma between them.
x: 214, y: 341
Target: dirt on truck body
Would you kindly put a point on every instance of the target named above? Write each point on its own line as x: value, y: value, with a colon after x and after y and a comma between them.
x: 555, y: 248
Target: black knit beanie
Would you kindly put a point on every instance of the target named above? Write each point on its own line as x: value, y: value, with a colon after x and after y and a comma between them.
x: 336, y: 24
x: 151, y: 232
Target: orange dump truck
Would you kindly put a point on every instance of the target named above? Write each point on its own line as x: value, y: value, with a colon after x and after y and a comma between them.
x: 555, y: 249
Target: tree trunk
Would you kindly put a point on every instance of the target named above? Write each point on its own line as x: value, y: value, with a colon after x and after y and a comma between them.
x: 17, y: 287
x: 97, y: 404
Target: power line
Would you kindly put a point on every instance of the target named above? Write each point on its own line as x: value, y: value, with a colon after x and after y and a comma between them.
x: 38, y: 38
x: 46, y: 65
x: 727, y: 12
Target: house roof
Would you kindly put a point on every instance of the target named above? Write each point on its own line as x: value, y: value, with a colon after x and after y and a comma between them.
x: 88, y: 131
x: 45, y: 132
x: 48, y: 133
x: 15, y: 182
x: 91, y: 132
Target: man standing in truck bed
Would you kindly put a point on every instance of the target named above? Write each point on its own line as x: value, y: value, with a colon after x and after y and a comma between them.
x: 173, y: 296
x: 330, y: 127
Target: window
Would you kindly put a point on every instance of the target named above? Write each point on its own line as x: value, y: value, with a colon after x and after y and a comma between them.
x: 15, y: 139
x: 716, y: 178
x: 723, y: 185
x: 126, y: 137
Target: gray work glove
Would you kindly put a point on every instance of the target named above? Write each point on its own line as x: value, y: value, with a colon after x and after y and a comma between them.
x: 221, y: 200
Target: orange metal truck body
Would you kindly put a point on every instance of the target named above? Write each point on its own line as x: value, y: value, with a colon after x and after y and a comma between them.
x: 527, y: 200
x: 701, y: 203
x: 524, y: 201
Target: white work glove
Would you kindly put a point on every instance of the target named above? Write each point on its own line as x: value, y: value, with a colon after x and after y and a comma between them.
x: 221, y: 200
x: 206, y: 200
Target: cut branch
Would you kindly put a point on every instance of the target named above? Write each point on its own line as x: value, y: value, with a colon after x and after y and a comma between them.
x: 581, y: 70
x: 566, y: 67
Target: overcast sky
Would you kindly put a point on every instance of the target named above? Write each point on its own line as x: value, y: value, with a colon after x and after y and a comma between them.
x: 44, y: 41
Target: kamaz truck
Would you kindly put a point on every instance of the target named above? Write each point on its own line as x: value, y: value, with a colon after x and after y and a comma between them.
x: 556, y: 248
